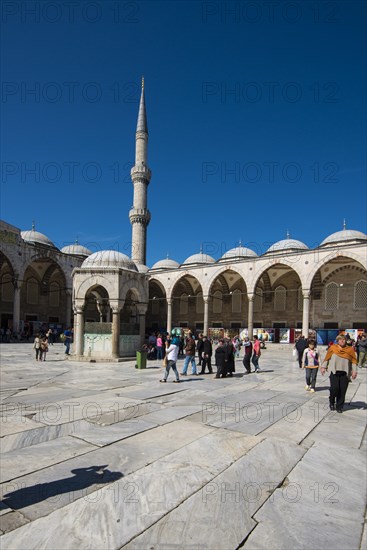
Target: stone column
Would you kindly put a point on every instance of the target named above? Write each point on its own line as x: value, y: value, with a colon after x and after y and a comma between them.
x: 169, y: 315
x: 250, y: 319
x: 68, y: 308
x: 115, y: 332
x: 206, y: 314
x: 79, y: 331
x: 16, y: 307
x: 141, y: 310
x: 306, y: 312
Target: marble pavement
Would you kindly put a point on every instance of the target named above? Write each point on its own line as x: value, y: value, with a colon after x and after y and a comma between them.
x: 104, y: 456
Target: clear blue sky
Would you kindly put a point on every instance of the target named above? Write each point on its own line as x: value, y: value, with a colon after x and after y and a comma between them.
x: 256, y: 116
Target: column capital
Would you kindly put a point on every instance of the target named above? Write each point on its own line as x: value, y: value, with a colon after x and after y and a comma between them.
x: 306, y: 292
x: 251, y: 296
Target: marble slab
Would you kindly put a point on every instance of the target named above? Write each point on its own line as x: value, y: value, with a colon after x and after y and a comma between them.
x: 233, y: 496
x: 105, y: 435
x: 348, y: 429
x: 22, y: 461
x: 169, y: 414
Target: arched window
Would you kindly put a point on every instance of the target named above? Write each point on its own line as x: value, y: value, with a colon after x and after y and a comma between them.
x: 32, y: 291
x: 184, y: 304
x: 280, y: 298
x: 54, y: 294
x: 258, y: 300
x: 7, y: 288
x: 199, y: 303
x: 332, y: 296
x: 217, y: 301
x: 360, y: 295
x: 300, y: 299
x: 236, y: 301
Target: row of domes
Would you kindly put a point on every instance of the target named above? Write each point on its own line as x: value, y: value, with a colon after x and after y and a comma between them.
x: 112, y: 258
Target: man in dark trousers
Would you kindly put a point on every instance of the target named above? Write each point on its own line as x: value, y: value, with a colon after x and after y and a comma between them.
x: 300, y: 346
x: 207, y: 355
x: 199, y: 347
x: 247, y: 355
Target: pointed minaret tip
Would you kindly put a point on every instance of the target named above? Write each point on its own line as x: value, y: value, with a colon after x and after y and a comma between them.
x: 33, y: 225
x: 142, y: 125
x: 344, y: 225
x: 201, y: 248
x: 288, y: 236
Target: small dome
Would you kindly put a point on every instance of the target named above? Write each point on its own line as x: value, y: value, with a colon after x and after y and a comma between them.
x: 199, y: 259
x: 76, y: 250
x: 287, y: 244
x: 142, y: 268
x: 239, y: 252
x: 344, y: 235
x: 166, y: 264
x: 109, y: 258
x: 35, y: 237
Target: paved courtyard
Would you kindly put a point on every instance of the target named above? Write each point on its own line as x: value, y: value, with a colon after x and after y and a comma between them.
x: 103, y: 456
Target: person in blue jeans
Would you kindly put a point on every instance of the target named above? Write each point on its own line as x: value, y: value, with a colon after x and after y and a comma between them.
x: 190, y: 355
x: 171, y: 354
x: 68, y: 340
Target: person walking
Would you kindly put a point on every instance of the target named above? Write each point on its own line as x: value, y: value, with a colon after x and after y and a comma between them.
x: 199, y: 348
x: 256, y: 354
x: 159, y: 347
x: 207, y: 355
x: 362, y: 350
x: 36, y: 346
x: 247, y: 345
x: 229, y: 358
x: 43, y: 348
x: 300, y: 346
x: 310, y: 362
x: 171, y: 354
x: 190, y: 355
x: 220, y: 354
x: 342, y: 362
x: 68, y: 336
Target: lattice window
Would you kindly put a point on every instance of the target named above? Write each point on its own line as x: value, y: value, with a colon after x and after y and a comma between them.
x: 300, y: 299
x: 258, y: 300
x: 32, y: 291
x: 184, y: 303
x: 280, y: 298
x: 199, y: 303
x: 332, y: 296
x: 236, y: 301
x: 7, y: 288
x: 54, y: 294
x: 217, y: 302
x: 360, y: 295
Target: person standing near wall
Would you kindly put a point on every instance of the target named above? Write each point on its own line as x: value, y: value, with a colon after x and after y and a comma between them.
x: 341, y: 360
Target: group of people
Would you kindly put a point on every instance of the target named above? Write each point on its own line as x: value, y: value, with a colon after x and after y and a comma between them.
x: 341, y: 360
x: 225, y: 354
x: 43, y: 340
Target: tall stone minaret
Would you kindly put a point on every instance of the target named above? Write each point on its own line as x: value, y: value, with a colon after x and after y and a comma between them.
x: 140, y: 174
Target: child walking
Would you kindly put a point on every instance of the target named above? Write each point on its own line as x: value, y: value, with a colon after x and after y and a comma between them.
x: 310, y: 362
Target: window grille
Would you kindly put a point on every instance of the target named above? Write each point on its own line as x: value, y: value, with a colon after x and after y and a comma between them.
x: 236, y: 301
x: 360, y: 295
x: 217, y: 302
x: 280, y: 298
x: 332, y: 296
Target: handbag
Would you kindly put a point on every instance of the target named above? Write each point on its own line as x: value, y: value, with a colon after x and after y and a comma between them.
x: 165, y: 361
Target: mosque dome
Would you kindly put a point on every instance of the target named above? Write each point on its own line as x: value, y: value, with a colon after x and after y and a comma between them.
x: 167, y: 263
x: 76, y: 250
x: 287, y: 244
x: 35, y: 237
x: 142, y: 268
x: 344, y: 235
x: 239, y: 252
x: 199, y: 259
x: 109, y: 258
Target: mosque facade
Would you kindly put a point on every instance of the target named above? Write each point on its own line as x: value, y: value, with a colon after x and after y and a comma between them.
x: 113, y: 300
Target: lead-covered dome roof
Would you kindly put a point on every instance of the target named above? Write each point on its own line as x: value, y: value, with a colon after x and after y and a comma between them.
x: 344, y: 235
x: 239, y: 252
x: 200, y: 258
x: 35, y: 237
x: 76, y: 250
x: 109, y: 258
x: 167, y: 263
x: 287, y: 244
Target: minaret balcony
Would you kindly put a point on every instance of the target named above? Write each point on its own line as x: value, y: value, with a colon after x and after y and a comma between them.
x: 140, y: 171
x: 139, y: 215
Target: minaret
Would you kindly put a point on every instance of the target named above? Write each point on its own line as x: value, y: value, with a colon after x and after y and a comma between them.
x: 140, y: 174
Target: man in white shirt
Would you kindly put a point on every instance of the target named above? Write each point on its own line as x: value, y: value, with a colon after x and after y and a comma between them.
x: 172, y: 353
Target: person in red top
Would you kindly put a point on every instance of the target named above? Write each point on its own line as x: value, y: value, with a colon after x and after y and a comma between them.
x: 256, y: 354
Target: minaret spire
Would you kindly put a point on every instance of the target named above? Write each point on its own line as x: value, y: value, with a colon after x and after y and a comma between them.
x: 140, y: 174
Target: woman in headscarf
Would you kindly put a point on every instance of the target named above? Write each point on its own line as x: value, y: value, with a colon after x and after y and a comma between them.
x: 342, y: 362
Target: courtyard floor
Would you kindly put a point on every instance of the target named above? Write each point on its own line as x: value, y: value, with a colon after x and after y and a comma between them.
x: 103, y: 456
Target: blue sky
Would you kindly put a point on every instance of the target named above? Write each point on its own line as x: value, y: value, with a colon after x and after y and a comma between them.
x: 256, y: 116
